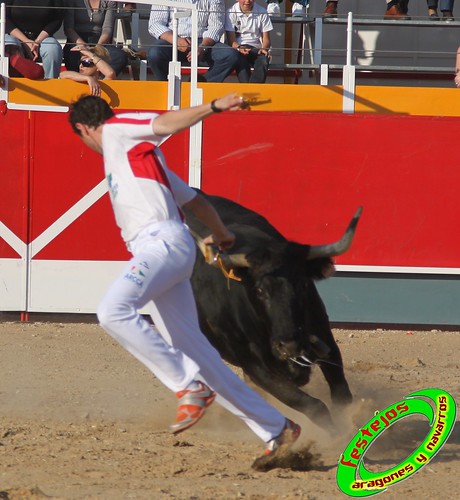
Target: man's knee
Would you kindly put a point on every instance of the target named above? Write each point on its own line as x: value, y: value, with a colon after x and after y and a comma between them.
x: 222, y: 53
x: 109, y: 312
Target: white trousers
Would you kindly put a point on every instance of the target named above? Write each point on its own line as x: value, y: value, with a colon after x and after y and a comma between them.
x: 175, y: 349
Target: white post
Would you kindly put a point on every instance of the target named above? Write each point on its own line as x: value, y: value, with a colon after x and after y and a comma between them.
x: 4, y: 69
x: 196, y: 98
x: 348, y: 102
x: 174, y: 68
x: 324, y: 74
x: 2, y: 30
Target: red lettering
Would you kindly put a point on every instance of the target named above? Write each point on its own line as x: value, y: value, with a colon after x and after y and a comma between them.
x: 355, y: 454
x: 442, y: 407
x: 361, y: 443
x: 348, y: 464
x: 365, y: 432
x: 443, y: 399
x: 402, y: 407
x: 375, y: 425
x: 385, y: 421
x: 409, y: 468
x: 391, y: 414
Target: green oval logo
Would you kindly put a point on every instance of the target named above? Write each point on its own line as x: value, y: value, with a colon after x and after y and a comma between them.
x: 352, y: 476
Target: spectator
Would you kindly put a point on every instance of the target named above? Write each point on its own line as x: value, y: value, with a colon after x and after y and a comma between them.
x: 20, y: 66
x: 30, y: 26
x: 221, y: 58
x: 447, y: 9
x: 94, y: 65
x: 87, y: 23
x: 248, y: 27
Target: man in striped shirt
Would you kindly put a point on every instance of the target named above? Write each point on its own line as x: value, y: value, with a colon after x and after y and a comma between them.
x: 220, y: 58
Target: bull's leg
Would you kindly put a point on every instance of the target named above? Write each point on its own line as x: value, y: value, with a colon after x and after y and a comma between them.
x: 332, y: 366
x: 289, y: 394
x: 332, y: 369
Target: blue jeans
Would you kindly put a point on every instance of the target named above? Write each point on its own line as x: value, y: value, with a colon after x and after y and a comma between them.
x: 260, y: 62
x: 445, y: 5
x: 221, y: 59
x: 50, y: 54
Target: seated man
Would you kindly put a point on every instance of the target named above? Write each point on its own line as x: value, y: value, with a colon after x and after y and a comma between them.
x: 248, y: 29
x: 221, y: 58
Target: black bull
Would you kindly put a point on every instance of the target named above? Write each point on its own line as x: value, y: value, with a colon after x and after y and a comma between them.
x: 273, y: 323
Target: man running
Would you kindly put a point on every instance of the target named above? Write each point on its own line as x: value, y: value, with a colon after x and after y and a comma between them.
x: 146, y: 198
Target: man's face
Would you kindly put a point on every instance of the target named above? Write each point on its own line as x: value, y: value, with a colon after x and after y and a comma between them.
x: 246, y: 5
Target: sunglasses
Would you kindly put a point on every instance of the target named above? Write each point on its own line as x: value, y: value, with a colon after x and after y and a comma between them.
x: 86, y: 63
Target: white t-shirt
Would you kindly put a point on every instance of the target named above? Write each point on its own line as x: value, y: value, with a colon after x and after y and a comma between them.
x: 248, y: 28
x: 142, y: 189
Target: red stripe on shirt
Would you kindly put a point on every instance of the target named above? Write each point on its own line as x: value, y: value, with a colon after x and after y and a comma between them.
x: 146, y: 165
x: 129, y: 121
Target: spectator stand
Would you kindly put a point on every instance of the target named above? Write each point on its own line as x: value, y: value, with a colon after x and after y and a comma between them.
x: 386, y: 50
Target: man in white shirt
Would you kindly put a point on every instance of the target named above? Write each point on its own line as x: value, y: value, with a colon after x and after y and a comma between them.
x: 146, y: 198
x: 218, y: 56
x: 248, y: 27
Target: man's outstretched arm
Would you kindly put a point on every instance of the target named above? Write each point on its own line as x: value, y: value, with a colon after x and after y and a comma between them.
x: 172, y: 122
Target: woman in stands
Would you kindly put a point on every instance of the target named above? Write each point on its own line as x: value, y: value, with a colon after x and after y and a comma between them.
x: 94, y: 65
x: 30, y: 26
x: 88, y: 23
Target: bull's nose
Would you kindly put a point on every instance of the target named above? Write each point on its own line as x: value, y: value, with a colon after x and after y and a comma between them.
x: 285, y: 348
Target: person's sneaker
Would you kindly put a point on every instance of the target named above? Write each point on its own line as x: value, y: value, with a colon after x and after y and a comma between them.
x: 447, y: 16
x: 290, y: 434
x: 273, y: 9
x: 298, y: 10
x: 277, y: 447
x: 191, y: 407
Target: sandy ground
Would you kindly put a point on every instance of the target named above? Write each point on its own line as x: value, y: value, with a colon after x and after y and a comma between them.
x: 81, y: 419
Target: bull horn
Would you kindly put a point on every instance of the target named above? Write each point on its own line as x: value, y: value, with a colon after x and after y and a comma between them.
x: 339, y: 247
x: 211, y: 257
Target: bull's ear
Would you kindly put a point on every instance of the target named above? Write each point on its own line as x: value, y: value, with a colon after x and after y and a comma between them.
x: 320, y: 269
x: 339, y: 247
x: 328, y: 270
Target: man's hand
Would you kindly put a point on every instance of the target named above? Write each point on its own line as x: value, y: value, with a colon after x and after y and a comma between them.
x: 183, y: 44
x: 223, y: 239
x: 230, y: 102
x: 34, y: 48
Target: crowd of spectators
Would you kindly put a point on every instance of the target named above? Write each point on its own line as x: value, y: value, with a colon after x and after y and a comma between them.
x: 89, y: 53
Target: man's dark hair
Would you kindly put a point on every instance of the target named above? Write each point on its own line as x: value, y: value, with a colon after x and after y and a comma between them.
x: 89, y: 110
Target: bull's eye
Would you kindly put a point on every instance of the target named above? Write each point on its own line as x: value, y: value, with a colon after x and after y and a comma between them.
x: 259, y: 291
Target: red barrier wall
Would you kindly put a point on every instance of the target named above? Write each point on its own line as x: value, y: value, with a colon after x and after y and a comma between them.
x: 307, y: 172
x: 14, y: 161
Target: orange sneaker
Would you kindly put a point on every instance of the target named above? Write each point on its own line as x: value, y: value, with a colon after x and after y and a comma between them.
x: 290, y: 434
x: 192, y: 405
